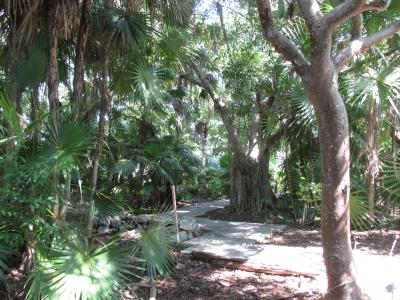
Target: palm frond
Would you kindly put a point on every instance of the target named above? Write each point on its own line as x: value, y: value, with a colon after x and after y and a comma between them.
x: 9, y: 113
x: 173, y: 12
x: 105, y: 208
x: 173, y: 44
x: 155, y: 247
x: 296, y: 30
x: 76, y: 270
x: 146, y: 79
x: 359, y: 215
x: 125, y: 167
x: 122, y: 28
x: 390, y: 177
x: 67, y: 146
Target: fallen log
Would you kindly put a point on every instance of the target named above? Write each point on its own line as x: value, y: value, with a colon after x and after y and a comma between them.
x: 234, y: 263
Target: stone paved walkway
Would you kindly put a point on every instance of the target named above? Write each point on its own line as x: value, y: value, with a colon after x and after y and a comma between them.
x: 378, y: 275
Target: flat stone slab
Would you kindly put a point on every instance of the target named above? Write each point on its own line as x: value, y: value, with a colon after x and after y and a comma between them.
x: 202, y: 208
x: 232, y: 239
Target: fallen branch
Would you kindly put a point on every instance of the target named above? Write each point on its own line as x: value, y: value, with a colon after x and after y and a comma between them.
x: 243, y: 265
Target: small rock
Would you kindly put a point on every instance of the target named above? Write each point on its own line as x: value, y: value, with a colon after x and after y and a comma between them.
x: 103, y: 230
x: 127, y: 226
x: 132, y: 234
x: 188, y: 224
x: 142, y: 219
x: 168, y: 219
x: 115, y: 222
x: 183, y: 236
x: 102, y: 222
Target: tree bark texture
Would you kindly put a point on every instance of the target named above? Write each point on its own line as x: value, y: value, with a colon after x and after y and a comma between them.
x: 104, y: 109
x: 35, y: 105
x: 372, y: 152
x: 250, y: 191
x: 79, y: 65
x: 335, y: 159
x: 52, y: 85
x: 319, y: 75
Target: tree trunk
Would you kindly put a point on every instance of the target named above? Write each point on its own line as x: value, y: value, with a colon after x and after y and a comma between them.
x: 79, y: 64
x: 335, y: 155
x: 372, y: 151
x: 67, y: 197
x: 53, y: 83
x: 250, y: 189
x: 16, y: 93
x: 221, y: 20
x: 35, y: 104
x: 104, y: 109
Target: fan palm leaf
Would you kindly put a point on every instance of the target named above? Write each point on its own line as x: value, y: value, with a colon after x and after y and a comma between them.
x: 122, y: 28
x: 75, y: 270
x: 155, y: 246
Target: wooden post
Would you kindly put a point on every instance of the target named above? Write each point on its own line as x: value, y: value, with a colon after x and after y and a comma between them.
x: 175, y: 213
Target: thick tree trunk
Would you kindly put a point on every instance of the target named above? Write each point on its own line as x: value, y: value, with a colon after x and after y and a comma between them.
x: 372, y: 151
x: 79, y: 65
x: 335, y: 154
x: 250, y: 189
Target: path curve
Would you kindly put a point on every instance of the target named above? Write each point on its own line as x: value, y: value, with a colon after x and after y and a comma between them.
x: 378, y: 275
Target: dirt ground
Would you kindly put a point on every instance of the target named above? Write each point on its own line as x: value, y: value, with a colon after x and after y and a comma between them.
x: 195, y: 280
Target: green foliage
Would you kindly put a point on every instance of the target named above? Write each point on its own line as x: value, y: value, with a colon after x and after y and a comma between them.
x: 359, y: 216
x: 31, y: 69
x: 214, y: 179
x: 167, y: 158
x: 122, y: 28
x: 154, y: 247
x: 390, y: 177
x: 9, y: 114
x: 5, y: 252
x: 74, y: 269
x: 66, y: 147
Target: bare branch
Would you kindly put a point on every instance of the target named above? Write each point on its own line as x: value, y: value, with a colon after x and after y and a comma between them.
x: 281, y: 43
x: 221, y: 109
x: 311, y: 11
x: 191, y: 78
x: 253, y: 131
x: 362, y: 44
x: 358, y: 23
x: 351, y: 8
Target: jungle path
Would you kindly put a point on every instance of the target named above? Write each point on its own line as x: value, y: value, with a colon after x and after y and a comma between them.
x: 244, y: 242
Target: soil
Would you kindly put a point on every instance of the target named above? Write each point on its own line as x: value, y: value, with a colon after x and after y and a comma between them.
x: 195, y: 280
x: 374, y: 241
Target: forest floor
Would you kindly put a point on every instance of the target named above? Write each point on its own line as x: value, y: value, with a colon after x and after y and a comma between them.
x: 297, y: 247
x: 202, y: 280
